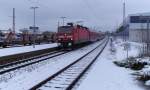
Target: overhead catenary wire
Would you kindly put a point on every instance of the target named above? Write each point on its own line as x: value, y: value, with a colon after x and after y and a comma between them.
x: 91, y: 9
x: 91, y: 12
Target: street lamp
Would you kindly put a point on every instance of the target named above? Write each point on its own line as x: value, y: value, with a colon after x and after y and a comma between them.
x: 34, y: 28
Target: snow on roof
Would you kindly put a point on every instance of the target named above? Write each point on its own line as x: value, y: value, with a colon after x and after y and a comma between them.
x: 140, y: 14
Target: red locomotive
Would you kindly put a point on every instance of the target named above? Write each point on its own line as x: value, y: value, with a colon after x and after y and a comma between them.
x: 71, y: 35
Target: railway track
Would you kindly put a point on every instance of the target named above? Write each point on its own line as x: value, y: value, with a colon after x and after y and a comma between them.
x: 67, y: 77
x: 6, y: 68
x: 24, y: 63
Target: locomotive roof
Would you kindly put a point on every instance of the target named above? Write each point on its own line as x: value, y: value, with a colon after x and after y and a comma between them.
x: 78, y: 26
x: 65, y: 26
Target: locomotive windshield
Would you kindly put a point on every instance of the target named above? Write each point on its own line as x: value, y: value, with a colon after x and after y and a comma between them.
x: 65, y: 29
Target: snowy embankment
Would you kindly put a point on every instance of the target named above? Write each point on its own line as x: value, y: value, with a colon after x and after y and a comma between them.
x: 144, y: 73
x: 141, y: 64
x: 25, y: 78
x: 107, y: 76
x: 17, y: 50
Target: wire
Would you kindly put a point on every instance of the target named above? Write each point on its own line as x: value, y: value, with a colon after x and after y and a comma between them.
x: 90, y: 8
x: 33, y: 1
x: 86, y: 3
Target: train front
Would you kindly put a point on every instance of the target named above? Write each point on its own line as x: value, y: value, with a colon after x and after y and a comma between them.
x: 65, y: 36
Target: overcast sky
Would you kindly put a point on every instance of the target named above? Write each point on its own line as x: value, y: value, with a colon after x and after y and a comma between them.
x: 102, y: 14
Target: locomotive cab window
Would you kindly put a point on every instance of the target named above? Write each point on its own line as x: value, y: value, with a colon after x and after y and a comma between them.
x: 65, y: 29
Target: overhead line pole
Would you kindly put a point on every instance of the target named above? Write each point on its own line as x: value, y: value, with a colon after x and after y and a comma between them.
x: 142, y: 40
x: 34, y: 29
x: 13, y: 27
x: 148, y: 36
x: 124, y: 29
x: 124, y: 15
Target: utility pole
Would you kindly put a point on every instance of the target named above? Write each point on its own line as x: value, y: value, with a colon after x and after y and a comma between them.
x: 124, y: 10
x: 34, y: 28
x: 124, y: 15
x: 148, y: 36
x: 13, y: 27
x: 126, y: 46
x: 142, y: 40
x: 63, y: 20
x: 58, y: 26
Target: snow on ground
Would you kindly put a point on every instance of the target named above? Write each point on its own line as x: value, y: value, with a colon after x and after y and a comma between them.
x: 107, y: 76
x: 27, y: 78
x: 17, y: 50
x: 122, y: 54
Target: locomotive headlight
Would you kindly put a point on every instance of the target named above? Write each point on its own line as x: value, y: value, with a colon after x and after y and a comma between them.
x: 70, y: 44
x: 71, y: 38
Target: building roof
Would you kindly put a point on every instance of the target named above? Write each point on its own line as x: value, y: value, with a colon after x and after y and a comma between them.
x: 140, y: 14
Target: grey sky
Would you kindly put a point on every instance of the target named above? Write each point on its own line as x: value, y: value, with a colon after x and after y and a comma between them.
x: 105, y: 14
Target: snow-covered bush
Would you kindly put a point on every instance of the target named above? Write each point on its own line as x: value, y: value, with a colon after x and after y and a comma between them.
x: 120, y: 63
x: 143, y: 75
x: 133, y: 63
x: 147, y: 83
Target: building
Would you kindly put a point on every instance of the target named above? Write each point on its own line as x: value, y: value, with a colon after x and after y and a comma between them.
x: 138, y: 27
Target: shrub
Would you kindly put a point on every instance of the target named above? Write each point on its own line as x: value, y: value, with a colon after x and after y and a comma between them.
x: 143, y: 76
x: 132, y: 63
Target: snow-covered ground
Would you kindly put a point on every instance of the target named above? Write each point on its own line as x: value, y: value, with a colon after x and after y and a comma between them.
x: 121, y: 54
x: 107, y: 76
x: 66, y: 78
x: 25, y: 78
x: 104, y: 75
x: 17, y: 50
